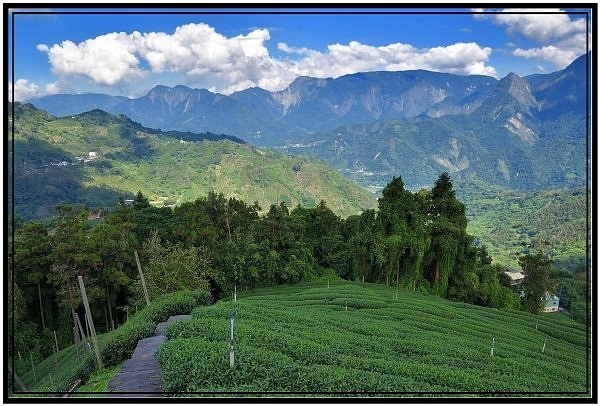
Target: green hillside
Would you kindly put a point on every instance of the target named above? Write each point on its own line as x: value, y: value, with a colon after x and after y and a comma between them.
x: 322, y: 337
x: 507, y: 221
x: 95, y: 157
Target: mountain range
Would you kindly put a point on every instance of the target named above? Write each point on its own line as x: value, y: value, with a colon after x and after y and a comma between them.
x: 519, y: 132
x: 95, y: 157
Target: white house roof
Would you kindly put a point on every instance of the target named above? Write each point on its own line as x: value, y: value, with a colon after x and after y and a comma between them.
x: 515, y: 275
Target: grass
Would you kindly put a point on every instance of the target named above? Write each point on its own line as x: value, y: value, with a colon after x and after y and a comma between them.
x: 98, y: 381
x: 66, y: 369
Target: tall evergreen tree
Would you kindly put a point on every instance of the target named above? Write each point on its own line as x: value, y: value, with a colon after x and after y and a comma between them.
x: 447, y: 232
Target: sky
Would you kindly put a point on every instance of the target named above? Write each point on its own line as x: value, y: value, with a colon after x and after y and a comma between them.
x: 73, y: 50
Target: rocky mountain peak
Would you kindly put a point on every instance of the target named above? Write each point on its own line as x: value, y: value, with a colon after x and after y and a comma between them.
x: 519, y: 89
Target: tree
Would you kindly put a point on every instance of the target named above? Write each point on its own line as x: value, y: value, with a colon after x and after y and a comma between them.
x: 536, y: 268
x: 364, y: 236
x: 321, y: 230
x: 32, y: 261
x: 111, y: 245
x: 171, y: 267
x: 396, y: 215
x: 447, y: 232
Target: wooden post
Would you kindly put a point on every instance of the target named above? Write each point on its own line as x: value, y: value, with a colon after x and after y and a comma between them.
x: 41, y: 305
x: 17, y: 379
x: 137, y: 260
x: 80, y: 328
x: 32, y: 367
x: 88, y: 330
x: 56, y: 341
x: 89, y: 313
x: 76, y: 339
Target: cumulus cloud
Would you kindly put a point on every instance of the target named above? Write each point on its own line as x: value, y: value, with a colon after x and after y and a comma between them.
x: 107, y: 59
x: 539, y: 24
x: 203, y: 56
x: 459, y: 58
x: 25, y: 90
x: 561, y: 38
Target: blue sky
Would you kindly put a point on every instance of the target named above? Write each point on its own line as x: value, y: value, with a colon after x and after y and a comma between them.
x: 128, y: 54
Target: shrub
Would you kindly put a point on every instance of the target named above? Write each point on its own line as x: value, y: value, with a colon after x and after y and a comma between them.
x: 121, y: 344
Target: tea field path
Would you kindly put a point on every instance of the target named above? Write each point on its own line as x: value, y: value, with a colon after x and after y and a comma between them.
x: 140, y: 376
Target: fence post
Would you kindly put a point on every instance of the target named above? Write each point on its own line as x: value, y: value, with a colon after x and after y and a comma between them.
x: 90, y: 320
x: 137, y: 260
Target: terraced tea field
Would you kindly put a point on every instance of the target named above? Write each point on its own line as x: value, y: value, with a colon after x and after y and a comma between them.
x: 348, y: 338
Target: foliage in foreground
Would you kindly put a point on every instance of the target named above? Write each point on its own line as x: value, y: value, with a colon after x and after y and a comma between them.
x: 302, y: 339
x: 59, y: 372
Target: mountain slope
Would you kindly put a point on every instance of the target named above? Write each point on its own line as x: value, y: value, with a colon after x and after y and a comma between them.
x: 508, y: 141
x: 93, y: 158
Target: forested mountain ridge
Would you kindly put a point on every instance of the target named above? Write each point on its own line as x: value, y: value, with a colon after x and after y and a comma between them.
x: 524, y: 133
x: 95, y: 157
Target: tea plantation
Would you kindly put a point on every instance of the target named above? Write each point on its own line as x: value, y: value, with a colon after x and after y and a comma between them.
x: 351, y: 339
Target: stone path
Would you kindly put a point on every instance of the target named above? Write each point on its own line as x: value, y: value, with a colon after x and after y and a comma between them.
x: 140, y: 375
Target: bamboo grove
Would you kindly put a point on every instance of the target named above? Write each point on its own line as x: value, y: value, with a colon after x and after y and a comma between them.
x: 416, y: 241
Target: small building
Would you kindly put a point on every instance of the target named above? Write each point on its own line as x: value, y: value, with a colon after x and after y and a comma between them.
x: 516, y: 277
x: 551, y: 303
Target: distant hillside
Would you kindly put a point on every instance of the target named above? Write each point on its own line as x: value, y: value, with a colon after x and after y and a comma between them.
x: 95, y: 157
x: 508, y: 221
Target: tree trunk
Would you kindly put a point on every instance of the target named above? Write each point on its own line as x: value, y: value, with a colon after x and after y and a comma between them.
x: 112, y: 323
x: 436, y: 277
x: 228, y: 227
x: 41, y: 305
x: 106, y: 319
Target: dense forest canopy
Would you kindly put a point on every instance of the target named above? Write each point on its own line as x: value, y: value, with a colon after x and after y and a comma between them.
x: 413, y: 240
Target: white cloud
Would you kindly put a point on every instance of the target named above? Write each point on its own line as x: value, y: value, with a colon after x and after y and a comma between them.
x: 561, y: 39
x: 25, y: 90
x: 553, y: 23
x: 107, y: 59
x: 205, y: 56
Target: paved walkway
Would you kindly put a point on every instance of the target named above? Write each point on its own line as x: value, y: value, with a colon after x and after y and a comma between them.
x: 140, y: 375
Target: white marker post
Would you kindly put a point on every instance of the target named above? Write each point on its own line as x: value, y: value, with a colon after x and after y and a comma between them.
x: 346, y: 305
x: 544, y: 346
x: 493, y: 340
x: 235, y: 293
x: 231, y: 350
